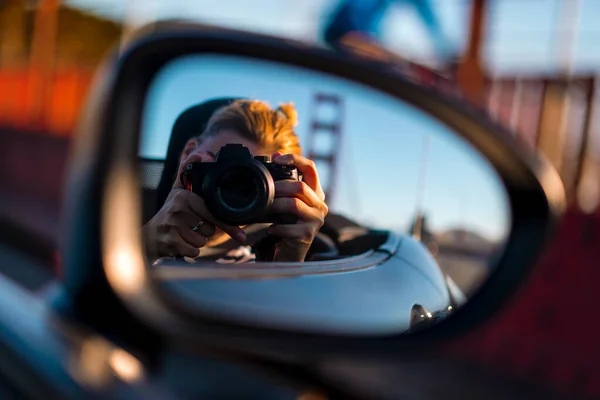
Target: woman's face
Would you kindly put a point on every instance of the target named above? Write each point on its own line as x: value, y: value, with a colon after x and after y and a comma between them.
x: 211, y: 146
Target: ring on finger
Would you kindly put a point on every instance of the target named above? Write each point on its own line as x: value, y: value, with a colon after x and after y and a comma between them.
x: 198, y: 226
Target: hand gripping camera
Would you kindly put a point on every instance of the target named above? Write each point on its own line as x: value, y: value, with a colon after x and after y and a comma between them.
x: 237, y: 188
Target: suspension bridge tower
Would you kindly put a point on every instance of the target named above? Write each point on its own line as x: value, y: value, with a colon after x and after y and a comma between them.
x: 325, y: 139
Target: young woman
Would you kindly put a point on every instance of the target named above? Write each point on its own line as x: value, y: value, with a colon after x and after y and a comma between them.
x: 184, y: 227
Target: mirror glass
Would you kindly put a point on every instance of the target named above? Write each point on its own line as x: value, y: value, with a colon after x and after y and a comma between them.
x: 285, y: 197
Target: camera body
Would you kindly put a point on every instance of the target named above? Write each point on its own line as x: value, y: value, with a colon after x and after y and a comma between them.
x: 238, y: 188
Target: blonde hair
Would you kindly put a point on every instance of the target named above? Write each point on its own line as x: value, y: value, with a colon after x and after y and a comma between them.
x: 272, y: 129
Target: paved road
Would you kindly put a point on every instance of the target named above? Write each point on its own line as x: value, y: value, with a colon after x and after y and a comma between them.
x: 467, y: 272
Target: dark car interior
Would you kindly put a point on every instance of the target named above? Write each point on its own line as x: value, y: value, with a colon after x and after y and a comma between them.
x: 339, y: 237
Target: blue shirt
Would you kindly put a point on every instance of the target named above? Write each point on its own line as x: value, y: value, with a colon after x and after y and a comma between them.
x: 366, y: 16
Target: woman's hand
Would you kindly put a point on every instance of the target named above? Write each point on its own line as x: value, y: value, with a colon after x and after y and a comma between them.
x: 306, y: 200
x: 183, y: 225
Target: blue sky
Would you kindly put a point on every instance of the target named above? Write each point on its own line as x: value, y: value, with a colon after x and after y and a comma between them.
x: 523, y: 35
x: 381, y: 151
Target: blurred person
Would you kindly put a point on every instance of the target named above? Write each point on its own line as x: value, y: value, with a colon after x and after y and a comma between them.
x: 356, y: 25
x: 183, y: 227
x: 420, y: 229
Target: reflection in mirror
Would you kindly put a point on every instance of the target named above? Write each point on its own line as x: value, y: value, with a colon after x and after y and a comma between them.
x: 394, y: 222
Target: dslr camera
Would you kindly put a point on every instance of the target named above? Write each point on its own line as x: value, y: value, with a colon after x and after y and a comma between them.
x: 237, y: 188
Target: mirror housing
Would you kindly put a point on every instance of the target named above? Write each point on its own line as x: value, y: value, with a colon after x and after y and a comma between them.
x: 105, y: 272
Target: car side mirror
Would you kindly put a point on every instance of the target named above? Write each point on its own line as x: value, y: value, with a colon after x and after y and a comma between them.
x: 108, y: 277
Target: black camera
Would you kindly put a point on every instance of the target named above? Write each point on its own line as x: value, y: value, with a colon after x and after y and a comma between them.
x: 237, y: 188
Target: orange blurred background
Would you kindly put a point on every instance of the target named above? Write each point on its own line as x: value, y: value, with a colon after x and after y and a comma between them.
x: 48, y: 56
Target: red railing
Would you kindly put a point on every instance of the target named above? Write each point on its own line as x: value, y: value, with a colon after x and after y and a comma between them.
x: 556, y: 115
x: 62, y: 101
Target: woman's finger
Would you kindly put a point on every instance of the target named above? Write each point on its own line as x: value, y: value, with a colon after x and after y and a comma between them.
x: 193, y: 238
x: 293, y: 205
x: 303, y: 233
x: 306, y: 167
x: 206, y: 229
x: 194, y: 157
x: 196, y: 223
x: 185, y: 250
x: 175, y: 246
x: 197, y: 205
x: 299, y: 189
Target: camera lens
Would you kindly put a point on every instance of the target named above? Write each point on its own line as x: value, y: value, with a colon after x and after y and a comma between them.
x: 238, y: 188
